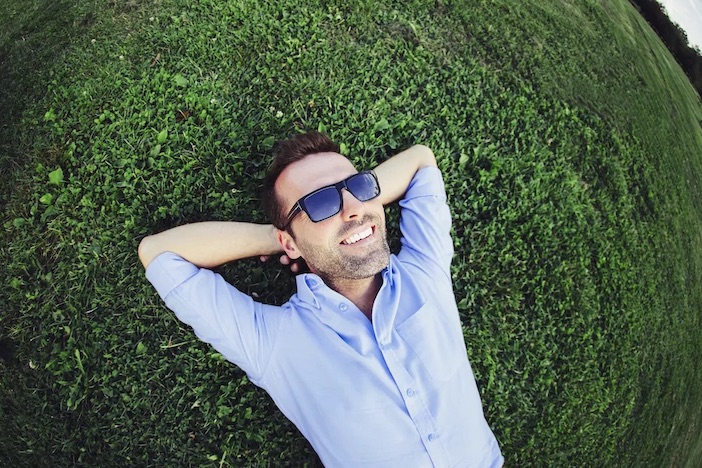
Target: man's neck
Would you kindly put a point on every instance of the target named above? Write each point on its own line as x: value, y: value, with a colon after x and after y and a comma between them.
x: 361, y: 292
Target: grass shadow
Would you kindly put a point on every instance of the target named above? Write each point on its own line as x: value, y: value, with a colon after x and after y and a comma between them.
x: 34, y: 35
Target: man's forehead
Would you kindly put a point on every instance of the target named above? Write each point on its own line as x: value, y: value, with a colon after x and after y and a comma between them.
x: 313, y: 172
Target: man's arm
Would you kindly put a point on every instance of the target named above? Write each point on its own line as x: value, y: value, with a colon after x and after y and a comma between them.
x: 425, y: 219
x: 214, y: 243
x: 211, y: 243
x: 395, y: 174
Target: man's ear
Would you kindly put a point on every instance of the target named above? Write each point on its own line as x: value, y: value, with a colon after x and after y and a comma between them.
x: 288, y: 244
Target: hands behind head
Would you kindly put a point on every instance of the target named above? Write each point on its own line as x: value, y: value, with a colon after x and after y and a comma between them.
x: 296, y: 266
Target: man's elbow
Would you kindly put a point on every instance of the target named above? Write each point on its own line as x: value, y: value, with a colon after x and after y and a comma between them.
x: 426, y: 157
x: 146, y: 250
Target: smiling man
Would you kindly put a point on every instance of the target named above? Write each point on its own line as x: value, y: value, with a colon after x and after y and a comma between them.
x: 367, y: 359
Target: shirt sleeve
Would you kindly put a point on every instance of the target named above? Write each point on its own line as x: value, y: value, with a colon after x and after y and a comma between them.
x: 425, y: 223
x: 242, y: 330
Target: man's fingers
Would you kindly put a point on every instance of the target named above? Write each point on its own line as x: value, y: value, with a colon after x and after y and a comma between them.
x: 296, y: 266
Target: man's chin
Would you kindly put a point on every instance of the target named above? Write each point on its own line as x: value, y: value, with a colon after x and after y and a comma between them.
x: 353, y: 264
x: 368, y: 265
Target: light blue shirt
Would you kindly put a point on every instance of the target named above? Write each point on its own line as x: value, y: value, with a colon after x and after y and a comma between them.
x: 395, y: 392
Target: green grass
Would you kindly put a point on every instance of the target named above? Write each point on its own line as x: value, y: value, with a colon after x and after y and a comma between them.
x: 569, y: 140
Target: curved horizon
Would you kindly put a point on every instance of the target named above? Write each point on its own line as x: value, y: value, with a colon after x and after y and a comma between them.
x: 688, y: 16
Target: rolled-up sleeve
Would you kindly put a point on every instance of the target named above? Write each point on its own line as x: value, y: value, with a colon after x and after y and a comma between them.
x: 425, y: 222
x: 241, y: 329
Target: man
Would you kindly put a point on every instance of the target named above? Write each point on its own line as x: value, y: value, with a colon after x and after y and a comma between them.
x: 368, y: 358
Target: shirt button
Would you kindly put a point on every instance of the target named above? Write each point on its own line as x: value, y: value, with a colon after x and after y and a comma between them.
x: 313, y: 283
x: 432, y: 437
x: 411, y: 392
x: 343, y: 307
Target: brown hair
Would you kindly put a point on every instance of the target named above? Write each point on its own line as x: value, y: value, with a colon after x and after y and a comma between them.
x: 285, y: 153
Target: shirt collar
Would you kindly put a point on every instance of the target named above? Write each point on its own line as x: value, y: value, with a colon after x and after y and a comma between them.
x: 308, y: 284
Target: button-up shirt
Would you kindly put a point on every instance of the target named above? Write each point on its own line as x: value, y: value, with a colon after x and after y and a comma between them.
x: 397, y: 390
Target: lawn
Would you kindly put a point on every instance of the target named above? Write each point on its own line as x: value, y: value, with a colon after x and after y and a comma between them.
x: 571, y: 146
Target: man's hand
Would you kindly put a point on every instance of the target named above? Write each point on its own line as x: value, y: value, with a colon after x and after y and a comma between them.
x: 296, y: 266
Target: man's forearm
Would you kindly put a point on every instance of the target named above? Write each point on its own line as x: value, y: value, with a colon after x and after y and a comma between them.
x: 395, y: 174
x: 211, y: 243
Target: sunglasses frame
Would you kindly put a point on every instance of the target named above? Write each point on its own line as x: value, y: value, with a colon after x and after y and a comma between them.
x: 300, y: 206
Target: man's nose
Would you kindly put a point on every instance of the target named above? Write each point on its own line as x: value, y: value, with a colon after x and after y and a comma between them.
x: 353, y: 207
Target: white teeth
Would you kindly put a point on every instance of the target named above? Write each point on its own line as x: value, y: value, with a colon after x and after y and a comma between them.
x: 357, y: 237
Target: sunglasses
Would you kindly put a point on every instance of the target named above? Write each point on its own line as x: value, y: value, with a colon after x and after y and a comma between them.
x: 327, y: 201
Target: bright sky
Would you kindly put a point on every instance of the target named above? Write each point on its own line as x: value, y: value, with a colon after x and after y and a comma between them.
x: 688, y: 14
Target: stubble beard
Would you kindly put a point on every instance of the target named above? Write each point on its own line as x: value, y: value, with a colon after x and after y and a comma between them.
x: 333, y: 264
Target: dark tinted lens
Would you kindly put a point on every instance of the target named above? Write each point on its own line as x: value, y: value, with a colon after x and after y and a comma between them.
x: 323, y: 204
x: 363, y: 186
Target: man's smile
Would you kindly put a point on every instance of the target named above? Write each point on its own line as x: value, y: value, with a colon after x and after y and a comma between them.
x: 364, y: 234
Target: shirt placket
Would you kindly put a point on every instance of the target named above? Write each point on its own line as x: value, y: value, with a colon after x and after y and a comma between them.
x: 413, y: 396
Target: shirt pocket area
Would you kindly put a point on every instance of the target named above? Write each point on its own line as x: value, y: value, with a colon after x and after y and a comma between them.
x: 436, y: 341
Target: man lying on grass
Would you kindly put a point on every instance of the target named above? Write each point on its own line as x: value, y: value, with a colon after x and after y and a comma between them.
x: 368, y: 358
